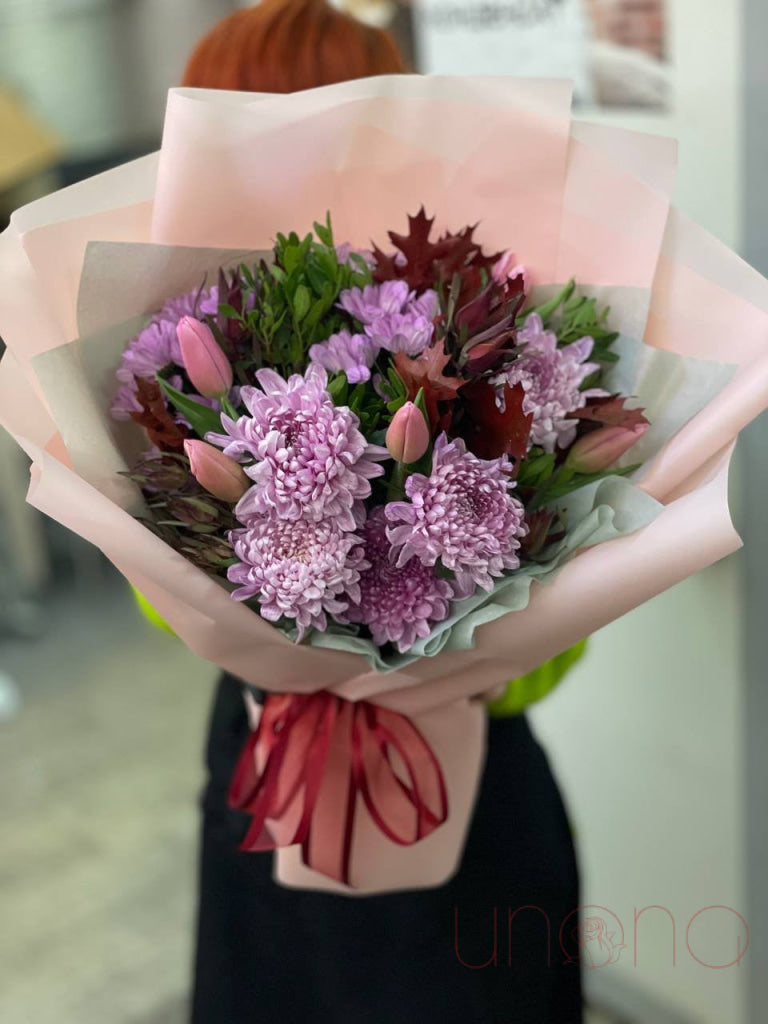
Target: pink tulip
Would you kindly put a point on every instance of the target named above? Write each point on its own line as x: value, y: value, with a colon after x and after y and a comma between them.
x: 408, y: 434
x: 601, y: 448
x: 206, y: 365
x: 216, y: 472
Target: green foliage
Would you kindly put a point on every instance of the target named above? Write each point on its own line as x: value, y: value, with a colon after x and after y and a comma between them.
x: 541, y: 481
x: 338, y: 389
x: 572, y: 317
x: 295, y: 297
x: 202, y: 419
x: 581, y: 317
x: 536, y: 468
x: 565, y: 480
x: 547, y: 310
x: 367, y: 406
x: 394, y: 388
x: 363, y: 401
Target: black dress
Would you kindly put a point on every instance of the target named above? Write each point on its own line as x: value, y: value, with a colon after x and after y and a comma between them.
x: 281, y: 956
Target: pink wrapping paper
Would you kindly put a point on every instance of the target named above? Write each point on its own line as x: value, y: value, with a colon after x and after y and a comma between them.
x: 572, y: 199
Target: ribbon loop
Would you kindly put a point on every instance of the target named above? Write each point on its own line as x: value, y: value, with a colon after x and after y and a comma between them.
x: 310, y: 760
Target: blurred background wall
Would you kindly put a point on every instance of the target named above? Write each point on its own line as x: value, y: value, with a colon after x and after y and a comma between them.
x: 650, y: 755
x: 98, y: 70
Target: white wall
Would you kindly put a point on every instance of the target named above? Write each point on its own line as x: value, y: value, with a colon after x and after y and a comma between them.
x: 644, y: 737
x: 646, y: 734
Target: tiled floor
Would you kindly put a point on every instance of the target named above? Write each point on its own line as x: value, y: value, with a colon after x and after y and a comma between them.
x: 99, y: 775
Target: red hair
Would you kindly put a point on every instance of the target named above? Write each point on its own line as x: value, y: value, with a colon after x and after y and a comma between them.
x: 289, y: 45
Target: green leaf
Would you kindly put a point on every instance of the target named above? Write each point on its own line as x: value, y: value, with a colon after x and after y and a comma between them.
x: 357, y: 397
x: 230, y: 311
x: 546, y: 310
x: 362, y: 277
x: 324, y: 231
x: 301, y: 301
x: 338, y: 388
x: 559, y: 488
x: 421, y: 404
x: 395, y: 390
x: 316, y: 278
x: 535, y: 468
x: 202, y: 419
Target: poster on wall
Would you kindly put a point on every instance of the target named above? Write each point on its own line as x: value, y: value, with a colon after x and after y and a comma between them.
x: 615, y: 51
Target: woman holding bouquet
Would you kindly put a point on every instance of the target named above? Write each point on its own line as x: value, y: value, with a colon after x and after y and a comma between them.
x: 458, y: 953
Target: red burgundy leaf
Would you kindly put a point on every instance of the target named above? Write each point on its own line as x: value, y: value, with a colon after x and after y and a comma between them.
x: 158, y: 422
x: 610, y: 412
x: 426, y: 371
x: 489, y: 431
x: 425, y: 264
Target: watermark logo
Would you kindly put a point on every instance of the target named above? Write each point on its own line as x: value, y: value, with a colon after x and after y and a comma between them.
x: 597, y: 945
x: 716, y: 936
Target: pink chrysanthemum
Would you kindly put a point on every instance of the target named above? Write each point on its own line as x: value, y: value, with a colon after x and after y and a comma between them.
x: 311, y: 460
x: 551, y: 378
x: 399, y: 604
x: 462, y: 515
x: 297, y: 570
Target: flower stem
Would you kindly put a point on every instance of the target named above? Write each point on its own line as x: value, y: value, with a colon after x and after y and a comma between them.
x: 228, y: 408
x: 396, y: 488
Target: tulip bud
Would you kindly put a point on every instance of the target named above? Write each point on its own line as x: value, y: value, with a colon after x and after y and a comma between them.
x: 206, y: 365
x: 408, y: 434
x: 216, y: 472
x: 601, y: 448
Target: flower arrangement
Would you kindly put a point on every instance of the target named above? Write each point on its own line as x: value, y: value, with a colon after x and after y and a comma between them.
x: 356, y: 441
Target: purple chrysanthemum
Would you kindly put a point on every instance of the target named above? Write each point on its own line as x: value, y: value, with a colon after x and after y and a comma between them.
x: 352, y: 354
x: 392, y: 315
x: 401, y: 332
x: 462, y: 515
x: 312, y: 461
x: 296, y: 569
x: 125, y: 402
x: 369, y: 304
x: 398, y: 603
x: 150, y: 351
x: 375, y: 300
x: 551, y: 378
x: 198, y: 303
x: 156, y: 347
x: 345, y: 250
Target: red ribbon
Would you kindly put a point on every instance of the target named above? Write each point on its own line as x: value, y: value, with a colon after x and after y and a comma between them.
x: 311, y: 758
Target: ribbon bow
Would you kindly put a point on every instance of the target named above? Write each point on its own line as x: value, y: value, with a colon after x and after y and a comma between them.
x: 311, y: 758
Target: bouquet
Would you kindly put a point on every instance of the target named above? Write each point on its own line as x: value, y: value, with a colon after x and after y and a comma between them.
x: 378, y: 466
x: 401, y: 438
